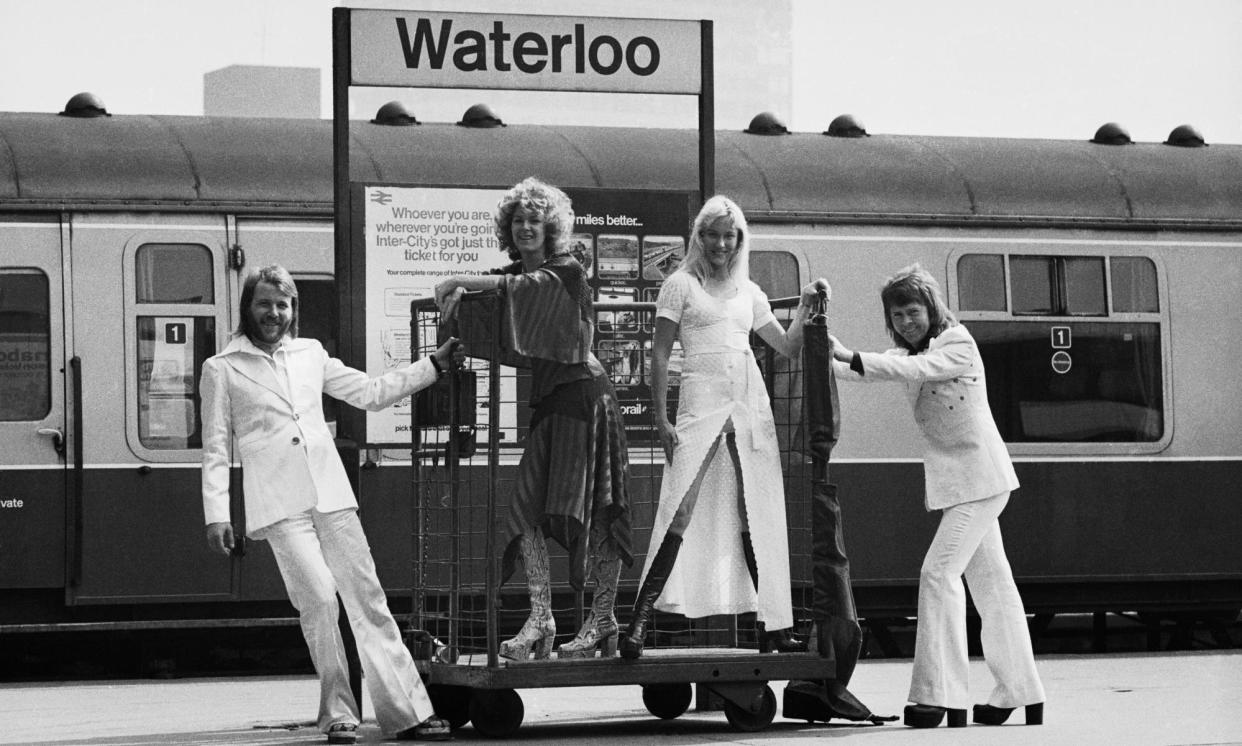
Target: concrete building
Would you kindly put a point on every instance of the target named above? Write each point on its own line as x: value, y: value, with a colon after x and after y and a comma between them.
x: 263, y: 91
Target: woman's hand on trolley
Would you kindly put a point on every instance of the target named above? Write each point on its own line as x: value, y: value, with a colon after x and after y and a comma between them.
x: 668, y: 437
x: 448, y: 295
x: 818, y: 288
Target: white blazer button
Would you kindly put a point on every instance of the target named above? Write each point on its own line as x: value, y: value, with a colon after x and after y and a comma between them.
x: 296, y: 441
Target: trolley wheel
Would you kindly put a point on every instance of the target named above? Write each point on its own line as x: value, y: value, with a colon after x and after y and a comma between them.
x: 451, y: 703
x: 744, y: 720
x: 667, y: 701
x: 496, y: 713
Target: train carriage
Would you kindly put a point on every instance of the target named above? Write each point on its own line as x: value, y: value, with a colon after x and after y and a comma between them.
x: 1098, y: 279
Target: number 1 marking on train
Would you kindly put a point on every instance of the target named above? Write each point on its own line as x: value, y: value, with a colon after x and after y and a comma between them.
x: 1060, y: 337
x: 174, y: 334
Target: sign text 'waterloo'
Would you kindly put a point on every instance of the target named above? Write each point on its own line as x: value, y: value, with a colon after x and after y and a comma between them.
x: 477, y: 50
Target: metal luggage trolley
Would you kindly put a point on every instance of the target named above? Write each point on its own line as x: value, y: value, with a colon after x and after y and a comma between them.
x: 466, y: 436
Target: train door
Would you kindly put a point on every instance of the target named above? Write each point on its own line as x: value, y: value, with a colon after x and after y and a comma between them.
x: 305, y: 248
x: 151, y: 305
x: 33, y: 422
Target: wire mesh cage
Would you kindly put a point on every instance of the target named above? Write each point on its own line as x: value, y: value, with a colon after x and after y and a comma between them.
x: 467, y: 437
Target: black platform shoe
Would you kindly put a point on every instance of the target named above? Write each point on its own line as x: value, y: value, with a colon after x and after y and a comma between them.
x: 929, y: 716
x: 989, y: 715
x: 778, y: 640
x: 631, y: 643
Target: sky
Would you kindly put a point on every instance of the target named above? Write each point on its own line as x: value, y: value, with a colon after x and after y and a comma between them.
x: 993, y: 68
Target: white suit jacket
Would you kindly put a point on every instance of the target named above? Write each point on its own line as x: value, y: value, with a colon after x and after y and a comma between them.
x: 966, y: 458
x: 288, y: 456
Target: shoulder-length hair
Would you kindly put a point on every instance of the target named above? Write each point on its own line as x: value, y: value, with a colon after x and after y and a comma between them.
x: 536, y: 196
x: 276, y: 276
x: 696, y: 262
x: 914, y: 284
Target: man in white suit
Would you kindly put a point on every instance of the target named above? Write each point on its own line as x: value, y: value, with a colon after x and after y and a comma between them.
x: 968, y: 477
x: 263, y: 393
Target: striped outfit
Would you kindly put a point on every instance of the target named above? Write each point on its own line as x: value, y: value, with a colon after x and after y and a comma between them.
x: 567, y: 492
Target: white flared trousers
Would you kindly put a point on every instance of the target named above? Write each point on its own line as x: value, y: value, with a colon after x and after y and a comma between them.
x: 321, y: 555
x: 968, y: 541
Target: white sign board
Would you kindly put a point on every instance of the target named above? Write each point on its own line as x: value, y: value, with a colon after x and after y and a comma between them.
x: 413, y: 238
x: 417, y: 49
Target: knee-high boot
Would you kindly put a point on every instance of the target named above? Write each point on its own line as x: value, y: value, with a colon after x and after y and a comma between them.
x: 632, y: 642
x: 780, y: 640
x: 599, y: 630
x: 539, y: 631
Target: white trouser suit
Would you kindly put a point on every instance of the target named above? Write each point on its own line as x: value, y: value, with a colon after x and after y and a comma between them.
x: 969, y: 477
x: 320, y: 555
x: 298, y: 498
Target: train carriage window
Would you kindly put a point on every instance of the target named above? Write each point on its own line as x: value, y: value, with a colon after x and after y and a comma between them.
x: 25, y: 346
x: 1058, y: 285
x: 775, y: 272
x: 1134, y: 285
x: 173, y: 273
x: 982, y: 282
x: 1059, y: 369
x: 1084, y: 285
x: 1033, y: 284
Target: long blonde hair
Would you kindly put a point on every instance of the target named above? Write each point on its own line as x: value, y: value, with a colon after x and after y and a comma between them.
x: 696, y: 262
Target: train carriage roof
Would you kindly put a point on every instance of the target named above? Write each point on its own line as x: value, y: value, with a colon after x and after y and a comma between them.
x: 171, y: 162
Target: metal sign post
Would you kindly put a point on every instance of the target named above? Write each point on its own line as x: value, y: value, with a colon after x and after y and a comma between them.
x: 417, y: 49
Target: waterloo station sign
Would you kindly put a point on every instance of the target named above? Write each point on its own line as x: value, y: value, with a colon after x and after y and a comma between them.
x: 555, y: 53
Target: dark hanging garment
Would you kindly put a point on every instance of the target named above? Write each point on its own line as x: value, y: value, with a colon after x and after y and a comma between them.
x: 837, y: 634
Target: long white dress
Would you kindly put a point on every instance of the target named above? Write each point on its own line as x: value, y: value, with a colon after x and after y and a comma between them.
x: 721, y: 381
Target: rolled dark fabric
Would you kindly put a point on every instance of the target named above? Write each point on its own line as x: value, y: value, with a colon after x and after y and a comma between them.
x: 838, y: 636
x: 832, y: 598
x: 823, y: 412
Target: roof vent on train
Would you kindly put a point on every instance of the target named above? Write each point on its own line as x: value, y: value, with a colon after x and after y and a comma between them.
x: 85, y: 106
x: 766, y: 123
x: 394, y: 114
x: 1111, y: 134
x: 846, y: 125
x: 481, y: 116
x: 1186, y: 136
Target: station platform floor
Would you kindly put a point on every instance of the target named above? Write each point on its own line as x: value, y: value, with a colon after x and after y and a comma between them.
x: 1162, y: 699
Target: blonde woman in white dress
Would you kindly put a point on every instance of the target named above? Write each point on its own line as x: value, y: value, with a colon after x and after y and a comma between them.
x: 719, y: 543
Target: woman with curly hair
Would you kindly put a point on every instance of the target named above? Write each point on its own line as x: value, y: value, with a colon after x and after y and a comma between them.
x: 572, y: 478
x: 969, y: 477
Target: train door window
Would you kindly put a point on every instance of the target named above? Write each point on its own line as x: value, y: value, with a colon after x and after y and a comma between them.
x: 175, y: 330
x: 25, y: 345
x: 1063, y: 365
x: 775, y: 272
x: 173, y: 273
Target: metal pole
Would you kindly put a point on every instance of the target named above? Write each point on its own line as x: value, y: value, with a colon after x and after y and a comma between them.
x: 707, y: 114
x: 340, y: 202
x: 491, y: 576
